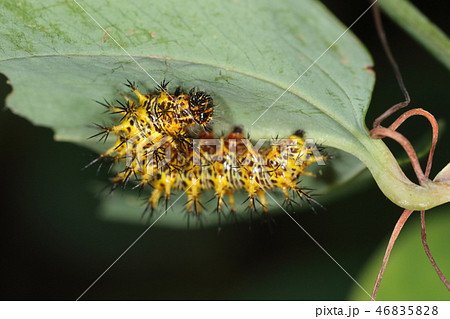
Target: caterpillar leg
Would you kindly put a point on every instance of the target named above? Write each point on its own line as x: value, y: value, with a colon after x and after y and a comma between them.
x: 193, y: 193
x: 288, y: 201
x: 122, y: 177
x: 220, y: 186
x: 220, y: 201
x: 231, y: 200
x: 153, y: 200
x: 286, y: 194
x: 193, y: 204
x: 162, y: 184
x: 251, y: 208
x: 169, y: 180
x: 262, y: 200
x: 252, y: 188
x: 251, y: 202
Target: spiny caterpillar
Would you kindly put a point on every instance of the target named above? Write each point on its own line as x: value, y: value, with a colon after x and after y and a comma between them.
x: 156, y: 146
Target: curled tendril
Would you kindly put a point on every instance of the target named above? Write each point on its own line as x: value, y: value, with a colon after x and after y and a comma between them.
x: 379, y: 132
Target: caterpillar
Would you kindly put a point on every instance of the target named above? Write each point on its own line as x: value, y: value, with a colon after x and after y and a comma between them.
x: 155, y: 143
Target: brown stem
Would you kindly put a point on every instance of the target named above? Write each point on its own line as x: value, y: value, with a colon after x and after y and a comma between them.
x: 398, y: 227
x: 428, y: 252
x: 398, y: 75
x: 434, y: 126
x: 381, y: 132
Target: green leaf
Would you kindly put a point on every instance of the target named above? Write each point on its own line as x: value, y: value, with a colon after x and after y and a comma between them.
x: 247, y: 54
x: 419, y: 27
x: 409, y: 274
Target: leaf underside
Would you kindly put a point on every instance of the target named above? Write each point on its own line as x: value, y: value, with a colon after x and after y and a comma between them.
x: 244, y: 53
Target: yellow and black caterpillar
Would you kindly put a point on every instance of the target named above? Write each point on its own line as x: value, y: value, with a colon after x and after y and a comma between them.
x: 157, y: 147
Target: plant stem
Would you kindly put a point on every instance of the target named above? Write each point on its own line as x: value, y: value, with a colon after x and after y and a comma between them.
x: 395, y: 185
